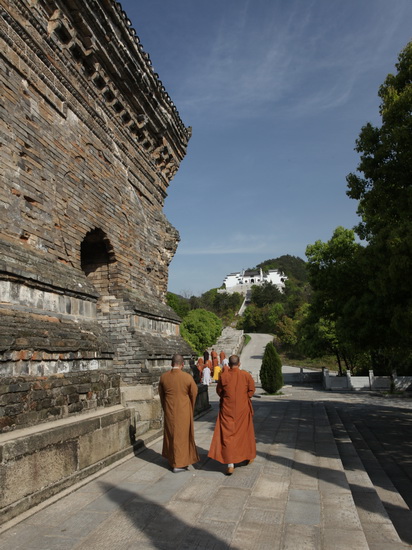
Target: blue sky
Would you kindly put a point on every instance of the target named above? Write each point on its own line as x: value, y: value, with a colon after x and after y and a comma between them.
x: 276, y: 92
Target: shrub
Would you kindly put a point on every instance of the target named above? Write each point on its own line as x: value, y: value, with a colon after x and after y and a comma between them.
x: 271, y: 376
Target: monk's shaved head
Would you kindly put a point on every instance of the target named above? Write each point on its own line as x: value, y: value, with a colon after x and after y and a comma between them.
x: 234, y: 360
x: 177, y: 360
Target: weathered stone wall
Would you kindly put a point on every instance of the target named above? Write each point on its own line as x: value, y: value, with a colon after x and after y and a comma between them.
x: 30, y: 400
x: 38, y: 464
x: 90, y: 142
x: 89, y: 134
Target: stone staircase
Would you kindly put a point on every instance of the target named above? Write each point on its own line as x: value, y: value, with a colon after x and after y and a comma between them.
x: 342, y: 488
x: 230, y: 341
x: 372, y: 474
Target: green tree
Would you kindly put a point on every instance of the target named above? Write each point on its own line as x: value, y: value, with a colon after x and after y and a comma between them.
x: 296, y: 294
x: 270, y: 373
x: 200, y: 329
x: 225, y: 302
x: 297, y: 290
x: 225, y: 305
x: 286, y: 332
x: 383, y: 187
x: 261, y: 319
x: 384, y: 191
x: 333, y: 269
x: 317, y: 337
x: 252, y: 319
x: 272, y: 316
x: 265, y: 294
x: 336, y: 279
x: 207, y: 299
x: 179, y: 304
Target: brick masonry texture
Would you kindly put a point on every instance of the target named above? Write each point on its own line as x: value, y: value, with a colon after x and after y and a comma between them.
x: 30, y: 400
x: 90, y: 140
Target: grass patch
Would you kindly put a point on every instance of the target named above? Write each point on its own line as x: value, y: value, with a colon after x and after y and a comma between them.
x: 246, y: 339
x: 293, y: 360
x: 397, y: 393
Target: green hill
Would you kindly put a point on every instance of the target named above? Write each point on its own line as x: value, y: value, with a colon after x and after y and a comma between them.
x: 292, y: 266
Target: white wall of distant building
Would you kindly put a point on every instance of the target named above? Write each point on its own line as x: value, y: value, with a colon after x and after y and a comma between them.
x: 244, y: 280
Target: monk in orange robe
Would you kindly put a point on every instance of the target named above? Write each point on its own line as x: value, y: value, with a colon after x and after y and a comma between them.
x: 215, y: 360
x: 222, y: 355
x: 234, y: 436
x: 200, y: 366
x: 178, y: 391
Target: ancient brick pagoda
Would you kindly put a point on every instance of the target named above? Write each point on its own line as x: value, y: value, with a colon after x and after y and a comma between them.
x: 90, y: 140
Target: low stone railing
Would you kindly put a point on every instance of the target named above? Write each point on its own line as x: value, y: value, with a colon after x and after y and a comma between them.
x: 301, y: 377
x: 370, y: 382
x: 38, y: 462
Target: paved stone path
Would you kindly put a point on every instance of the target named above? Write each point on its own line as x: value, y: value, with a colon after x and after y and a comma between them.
x: 252, y: 353
x: 308, y: 489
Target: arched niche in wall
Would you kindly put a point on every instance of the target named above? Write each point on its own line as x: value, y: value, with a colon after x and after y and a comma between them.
x: 97, y: 255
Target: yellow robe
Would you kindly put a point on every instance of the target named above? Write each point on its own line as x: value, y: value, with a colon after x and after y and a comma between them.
x: 178, y: 391
x: 216, y: 373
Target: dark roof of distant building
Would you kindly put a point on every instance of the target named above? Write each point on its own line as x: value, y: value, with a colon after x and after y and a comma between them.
x: 251, y: 272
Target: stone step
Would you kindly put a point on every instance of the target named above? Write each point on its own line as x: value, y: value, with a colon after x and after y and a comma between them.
x: 396, y: 464
x: 143, y: 427
x: 378, y: 527
x: 230, y: 341
x: 390, y: 482
x: 303, y: 462
x: 341, y: 525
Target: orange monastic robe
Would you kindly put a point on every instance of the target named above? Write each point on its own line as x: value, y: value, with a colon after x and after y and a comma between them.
x: 178, y: 391
x: 200, y: 365
x: 234, y: 436
x: 215, y: 360
x: 222, y: 355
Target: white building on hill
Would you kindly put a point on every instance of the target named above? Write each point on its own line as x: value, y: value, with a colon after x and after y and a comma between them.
x: 243, y: 281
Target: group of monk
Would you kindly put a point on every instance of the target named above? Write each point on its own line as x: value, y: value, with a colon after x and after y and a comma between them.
x: 233, y: 440
x: 209, y: 369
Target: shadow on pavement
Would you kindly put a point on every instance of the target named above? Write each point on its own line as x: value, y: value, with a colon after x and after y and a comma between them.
x: 374, y: 429
x: 149, y: 455
x: 143, y: 523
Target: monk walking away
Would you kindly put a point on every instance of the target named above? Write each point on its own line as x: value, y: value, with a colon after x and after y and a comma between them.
x: 178, y: 391
x: 214, y: 358
x: 234, y: 436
